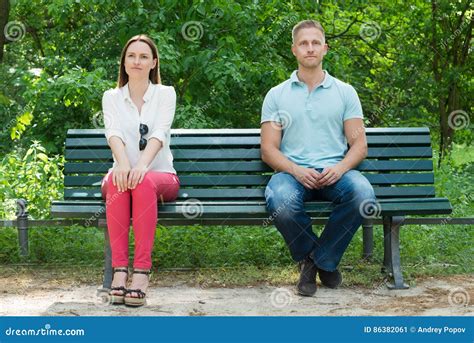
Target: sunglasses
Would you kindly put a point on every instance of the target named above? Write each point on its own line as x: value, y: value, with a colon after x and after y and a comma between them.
x: 143, y: 141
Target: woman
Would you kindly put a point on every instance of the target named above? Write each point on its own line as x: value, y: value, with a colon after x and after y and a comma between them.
x: 137, y: 116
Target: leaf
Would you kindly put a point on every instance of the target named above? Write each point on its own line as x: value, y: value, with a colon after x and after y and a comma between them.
x: 42, y: 157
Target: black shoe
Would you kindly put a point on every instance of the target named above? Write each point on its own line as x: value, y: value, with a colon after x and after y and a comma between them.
x: 307, y: 283
x: 330, y: 279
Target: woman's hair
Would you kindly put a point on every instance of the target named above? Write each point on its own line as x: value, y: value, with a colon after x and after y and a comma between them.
x: 154, y: 75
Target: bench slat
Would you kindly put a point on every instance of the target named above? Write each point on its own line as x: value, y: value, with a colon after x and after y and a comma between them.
x: 235, y: 154
x: 248, y: 141
x: 247, y: 209
x: 244, y: 132
x: 251, y: 193
x: 257, y: 180
x: 251, y: 166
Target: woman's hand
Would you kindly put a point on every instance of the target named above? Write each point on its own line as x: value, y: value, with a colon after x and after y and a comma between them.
x: 120, y: 176
x: 136, y: 175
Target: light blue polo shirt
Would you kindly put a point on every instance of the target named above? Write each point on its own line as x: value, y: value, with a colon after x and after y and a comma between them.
x: 313, y: 123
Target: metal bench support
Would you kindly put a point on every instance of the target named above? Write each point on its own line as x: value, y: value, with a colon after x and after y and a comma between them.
x: 391, y: 256
x: 368, y: 239
x: 22, y: 225
x: 108, y: 273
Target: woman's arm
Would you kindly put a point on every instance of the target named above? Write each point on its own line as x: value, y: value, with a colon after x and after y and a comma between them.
x: 116, y: 142
x: 122, y: 169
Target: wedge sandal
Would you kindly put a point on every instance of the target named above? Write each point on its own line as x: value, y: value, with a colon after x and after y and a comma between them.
x: 139, y: 300
x: 118, y: 299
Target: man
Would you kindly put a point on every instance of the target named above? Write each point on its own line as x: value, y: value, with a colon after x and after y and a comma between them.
x: 306, y: 124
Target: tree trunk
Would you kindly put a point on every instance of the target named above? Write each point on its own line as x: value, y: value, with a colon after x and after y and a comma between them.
x: 4, y: 12
x: 450, y: 59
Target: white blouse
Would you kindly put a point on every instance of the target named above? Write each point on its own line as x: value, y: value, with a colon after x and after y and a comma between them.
x: 122, y: 119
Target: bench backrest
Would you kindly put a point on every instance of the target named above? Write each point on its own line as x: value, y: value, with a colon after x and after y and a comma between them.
x: 224, y: 164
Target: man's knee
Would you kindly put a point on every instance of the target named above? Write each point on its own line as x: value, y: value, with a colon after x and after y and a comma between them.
x: 361, y: 190
x: 282, y: 197
x: 364, y: 201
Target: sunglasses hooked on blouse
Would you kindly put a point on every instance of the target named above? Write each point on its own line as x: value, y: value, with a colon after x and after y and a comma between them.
x: 143, y: 141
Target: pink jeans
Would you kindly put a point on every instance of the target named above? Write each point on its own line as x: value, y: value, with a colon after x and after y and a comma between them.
x: 156, y: 186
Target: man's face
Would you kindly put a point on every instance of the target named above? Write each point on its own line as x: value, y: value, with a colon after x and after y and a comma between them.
x: 309, y: 47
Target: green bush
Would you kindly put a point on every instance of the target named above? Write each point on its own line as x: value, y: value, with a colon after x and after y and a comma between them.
x: 32, y: 175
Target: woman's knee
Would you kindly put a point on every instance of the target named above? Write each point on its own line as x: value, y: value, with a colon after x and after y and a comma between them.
x: 147, y: 183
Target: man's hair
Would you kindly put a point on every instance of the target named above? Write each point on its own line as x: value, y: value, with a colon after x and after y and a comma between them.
x: 306, y: 24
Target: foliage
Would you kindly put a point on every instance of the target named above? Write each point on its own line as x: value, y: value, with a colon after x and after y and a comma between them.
x: 31, y: 175
x: 222, y: 57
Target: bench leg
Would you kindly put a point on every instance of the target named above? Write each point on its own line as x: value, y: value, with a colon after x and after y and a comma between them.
x: 391, y: 260
x: 368, y: 239
x: 22, y: 226
x: 108, y: 258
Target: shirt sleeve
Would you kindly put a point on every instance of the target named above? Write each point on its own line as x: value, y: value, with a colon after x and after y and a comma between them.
x: 270, y: 109
x: 166, y: 109
x: 353, y: 108
x: 111, y: 120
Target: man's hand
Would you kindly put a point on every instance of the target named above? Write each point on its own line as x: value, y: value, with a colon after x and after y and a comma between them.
x: 331, y: 175
x: 136, y: 175
x: 120, y: 176
x: 308, y: 177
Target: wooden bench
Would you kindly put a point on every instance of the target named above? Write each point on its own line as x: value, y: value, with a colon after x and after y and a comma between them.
x: 223, y: 181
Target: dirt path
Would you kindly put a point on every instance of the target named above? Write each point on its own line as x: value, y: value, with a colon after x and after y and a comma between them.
x: 447, y: 296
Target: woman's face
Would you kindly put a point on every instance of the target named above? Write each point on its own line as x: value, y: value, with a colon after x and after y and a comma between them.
x: 139, y: 60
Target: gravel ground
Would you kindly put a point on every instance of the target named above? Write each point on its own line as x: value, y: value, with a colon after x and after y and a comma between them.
x: 443, y: 296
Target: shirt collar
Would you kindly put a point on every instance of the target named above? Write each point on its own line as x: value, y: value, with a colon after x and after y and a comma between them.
x: 325, y: 84
x: 147, y: 96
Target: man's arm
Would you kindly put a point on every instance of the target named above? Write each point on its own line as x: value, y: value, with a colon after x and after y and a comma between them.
x: 355, y: 135
x: 270, y: 150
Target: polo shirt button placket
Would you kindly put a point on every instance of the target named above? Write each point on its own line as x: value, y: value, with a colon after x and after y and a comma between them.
x: 308, y: 105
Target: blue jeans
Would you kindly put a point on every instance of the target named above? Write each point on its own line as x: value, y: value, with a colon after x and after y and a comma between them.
x: 285, y: 201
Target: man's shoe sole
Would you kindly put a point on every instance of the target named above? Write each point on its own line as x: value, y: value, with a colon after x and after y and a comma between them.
x: 303, y: 293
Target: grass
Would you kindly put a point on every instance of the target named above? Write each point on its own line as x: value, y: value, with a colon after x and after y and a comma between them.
x: 219, y: 256
x: 237, y: 256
